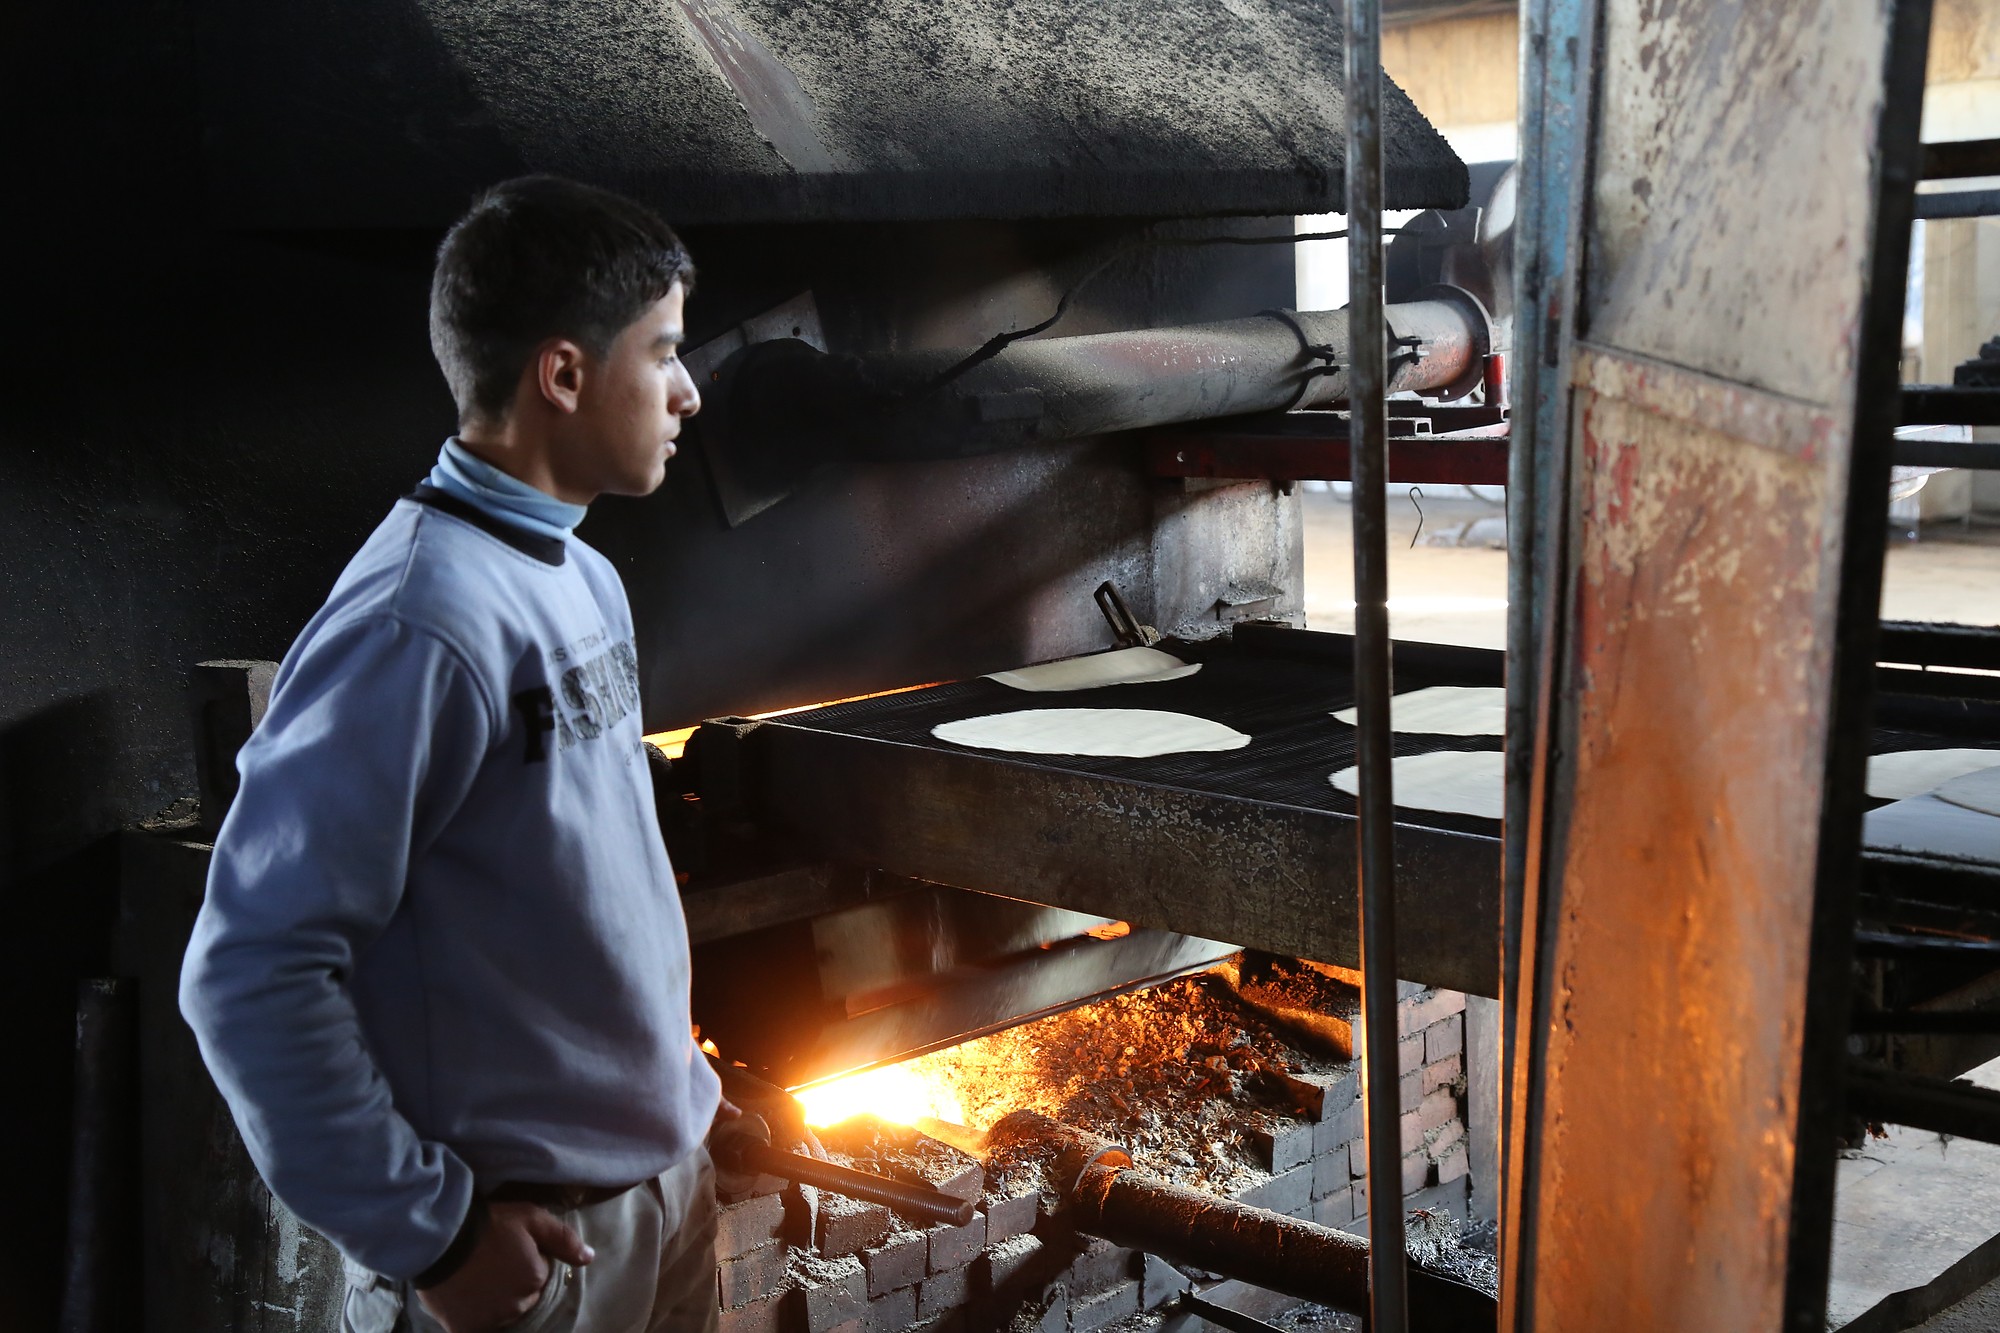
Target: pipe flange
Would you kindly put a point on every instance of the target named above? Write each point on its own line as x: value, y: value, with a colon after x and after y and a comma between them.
x: 1481, y: 324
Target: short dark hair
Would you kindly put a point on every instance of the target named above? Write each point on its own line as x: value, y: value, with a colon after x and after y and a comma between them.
x: 541, y: 257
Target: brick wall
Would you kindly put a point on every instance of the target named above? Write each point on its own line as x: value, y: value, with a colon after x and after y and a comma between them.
x: 802, y: 1261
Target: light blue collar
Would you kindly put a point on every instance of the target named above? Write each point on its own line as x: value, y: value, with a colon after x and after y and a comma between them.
x: 472, y: 479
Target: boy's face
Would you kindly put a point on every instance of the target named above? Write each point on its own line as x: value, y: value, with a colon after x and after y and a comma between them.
x: 629, y: 408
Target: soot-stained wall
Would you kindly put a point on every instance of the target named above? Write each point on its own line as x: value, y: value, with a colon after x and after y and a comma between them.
x: 202, y: 424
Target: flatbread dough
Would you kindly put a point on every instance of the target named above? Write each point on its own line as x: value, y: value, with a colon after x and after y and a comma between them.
x: 1123, y: 666
x: 1125, y: 733
x: 1443, y: 710
x: 1452, y: 782
x: 1933, y: 827
x: 1906, y: 773
x: 1975, y: 791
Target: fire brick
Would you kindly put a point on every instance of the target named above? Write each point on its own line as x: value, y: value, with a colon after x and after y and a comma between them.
x: 1321, y: 1095
x: 1286, y: 1145
x: 742, y: 1227
x: 1443, y: 1074
x: 896, y: 1262
x: 1329, y: 1173
x: 1454, y: 1164
x: 838, y: 1294
x: 748, y: 1277
x: 1338, y: 1128
x: 893, y: 1312
x: 1410, y: 1054
x: 1336, y: 1209
x: 847, y: 1227
x: 1438, y: 1109
x: 954, y: 1247
x: 946, y: 1291
x: 760, y: 1316
x: 1413, y: 1017
x: 1412, y: 1091
x: 1159, y: 1282
x: 1357, y: 1158
x: 1416, y: 1172
x: 1008, y: 1218
x: 1440, y: 1143
x: 1281, y: 1194
x: 1004, y: 1263
x: 1106, y: 1308
x: 1444, y: 1040
x: 1100, y: 1265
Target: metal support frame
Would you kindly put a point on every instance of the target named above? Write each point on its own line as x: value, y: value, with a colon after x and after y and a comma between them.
x: 1944, y: 1106
x: 1558, y: 87
x: 1314, y: 446
x: 1367, y: 380
x: 1639, y: 905
x: 1855, y: 632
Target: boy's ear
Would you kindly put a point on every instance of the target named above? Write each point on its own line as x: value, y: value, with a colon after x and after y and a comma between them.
x: 559, y: 368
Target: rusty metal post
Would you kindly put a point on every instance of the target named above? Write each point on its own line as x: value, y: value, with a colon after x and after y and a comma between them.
x: 1368, y: 430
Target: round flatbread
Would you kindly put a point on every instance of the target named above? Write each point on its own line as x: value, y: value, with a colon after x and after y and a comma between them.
x: 1443, y: 710
x: 1122, y: 666
x: 1452, y: 782
x: 1121, y: 733
x: 1975, y: 791
x: 1906, y: 773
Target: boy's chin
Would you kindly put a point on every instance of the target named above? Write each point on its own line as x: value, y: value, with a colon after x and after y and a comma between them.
x: 641, y: 484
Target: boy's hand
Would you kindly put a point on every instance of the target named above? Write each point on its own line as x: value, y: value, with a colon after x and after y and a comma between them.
x: 502, y: 1279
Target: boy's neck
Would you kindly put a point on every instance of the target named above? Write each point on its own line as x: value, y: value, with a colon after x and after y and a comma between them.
x: 522, y: 456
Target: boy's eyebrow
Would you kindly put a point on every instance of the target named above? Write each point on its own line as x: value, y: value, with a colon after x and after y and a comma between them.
x: 668, y: 338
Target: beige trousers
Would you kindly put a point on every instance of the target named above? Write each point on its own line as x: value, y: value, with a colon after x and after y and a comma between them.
x: 654, y: 1271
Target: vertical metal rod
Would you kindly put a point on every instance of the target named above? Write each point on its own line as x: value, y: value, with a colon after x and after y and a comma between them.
x: 1367, y: 380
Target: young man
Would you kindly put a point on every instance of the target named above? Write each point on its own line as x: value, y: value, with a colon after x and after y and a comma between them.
x: 441, y: 973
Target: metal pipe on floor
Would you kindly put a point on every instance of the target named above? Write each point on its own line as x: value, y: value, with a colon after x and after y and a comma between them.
x: 1367, y: 384
x: 1104, y: 1195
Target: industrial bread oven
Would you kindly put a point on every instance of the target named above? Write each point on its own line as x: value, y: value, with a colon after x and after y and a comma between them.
x: 972, y: 282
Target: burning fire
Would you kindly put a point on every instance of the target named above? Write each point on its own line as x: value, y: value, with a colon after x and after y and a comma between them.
x: 673, y: 743
x: 902, y: 1094
x: 959, y: 1085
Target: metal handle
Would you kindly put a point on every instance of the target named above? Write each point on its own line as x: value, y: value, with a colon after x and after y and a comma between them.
x: 740, y: 1148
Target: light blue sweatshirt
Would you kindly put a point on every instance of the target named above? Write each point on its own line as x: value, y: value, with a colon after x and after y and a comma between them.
x: 442, y: 947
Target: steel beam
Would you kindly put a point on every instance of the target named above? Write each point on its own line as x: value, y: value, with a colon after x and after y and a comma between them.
x: 1430, y: 459
x: 1257, y: 874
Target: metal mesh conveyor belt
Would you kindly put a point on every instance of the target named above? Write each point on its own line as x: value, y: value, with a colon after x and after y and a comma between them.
x: 1284, y: 703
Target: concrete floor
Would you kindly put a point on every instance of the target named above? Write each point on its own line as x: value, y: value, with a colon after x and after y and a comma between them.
x: 1458, y: 593
x: 1908, y: 1208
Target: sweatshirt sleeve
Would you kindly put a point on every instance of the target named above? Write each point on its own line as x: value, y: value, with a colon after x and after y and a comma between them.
x: 373, y: 736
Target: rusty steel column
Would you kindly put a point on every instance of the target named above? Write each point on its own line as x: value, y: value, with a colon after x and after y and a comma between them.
x: 1367, y: 377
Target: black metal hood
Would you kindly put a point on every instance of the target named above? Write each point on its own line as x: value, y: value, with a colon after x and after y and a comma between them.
x: 390, y: 112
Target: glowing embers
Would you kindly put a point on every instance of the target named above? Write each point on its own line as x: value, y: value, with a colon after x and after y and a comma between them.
x: 1190, y: 1075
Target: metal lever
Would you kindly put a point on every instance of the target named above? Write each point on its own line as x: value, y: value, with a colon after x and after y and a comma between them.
x: 742, y: 1150
x: 1125, y: 626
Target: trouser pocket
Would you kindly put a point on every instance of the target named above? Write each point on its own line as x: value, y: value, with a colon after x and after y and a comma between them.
x: 556, y: 1311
